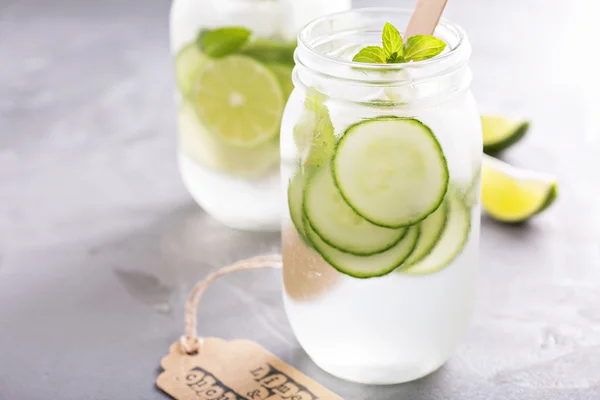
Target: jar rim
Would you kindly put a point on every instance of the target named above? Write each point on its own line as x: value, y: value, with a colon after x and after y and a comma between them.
x: 455, y: 50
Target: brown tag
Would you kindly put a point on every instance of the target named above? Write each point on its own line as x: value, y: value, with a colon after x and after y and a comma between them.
x: 235, y: 370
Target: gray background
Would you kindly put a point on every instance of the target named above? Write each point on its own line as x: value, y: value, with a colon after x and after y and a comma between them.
x: 99, y: 241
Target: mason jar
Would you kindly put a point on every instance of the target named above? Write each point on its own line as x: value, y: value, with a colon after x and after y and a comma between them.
x: 381, y: 168
x: 233, y: 63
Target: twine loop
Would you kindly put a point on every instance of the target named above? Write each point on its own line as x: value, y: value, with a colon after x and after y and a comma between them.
x: 190, y: 342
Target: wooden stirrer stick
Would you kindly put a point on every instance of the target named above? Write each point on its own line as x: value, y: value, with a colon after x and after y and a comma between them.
x: 425, y: 17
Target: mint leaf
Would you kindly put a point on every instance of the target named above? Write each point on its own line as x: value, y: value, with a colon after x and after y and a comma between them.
x: 371, y: 54
x: 392, y: 40
x: 396, y: 60
x: 222, y: 41
x: 394, y: 51
x: 422, y: 47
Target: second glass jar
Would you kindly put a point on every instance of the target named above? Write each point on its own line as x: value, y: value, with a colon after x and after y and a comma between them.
x: 233, y: 64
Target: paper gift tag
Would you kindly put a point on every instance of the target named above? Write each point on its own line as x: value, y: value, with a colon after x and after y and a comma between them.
x: 234, y: 370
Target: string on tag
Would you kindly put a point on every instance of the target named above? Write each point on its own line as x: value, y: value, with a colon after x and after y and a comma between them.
x: 190, y: 342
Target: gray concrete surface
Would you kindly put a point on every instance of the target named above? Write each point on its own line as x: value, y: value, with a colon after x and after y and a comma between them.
x: 99, y: 241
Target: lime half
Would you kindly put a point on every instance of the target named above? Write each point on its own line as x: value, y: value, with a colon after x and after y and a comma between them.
x: 511, y: 194
x: 500, y: 133
x: 239, y: 100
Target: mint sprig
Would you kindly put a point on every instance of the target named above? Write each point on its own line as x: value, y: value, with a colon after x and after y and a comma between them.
x: 221, y: 42
x: 394, y: 50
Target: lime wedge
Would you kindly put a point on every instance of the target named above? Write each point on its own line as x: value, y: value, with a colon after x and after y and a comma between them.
x: 239, y: 100
x: 500, y: 133
x: 511, y: 194
x: 187, y: 63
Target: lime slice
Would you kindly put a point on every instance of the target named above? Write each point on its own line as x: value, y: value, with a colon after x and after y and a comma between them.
x: 239, y: 100
x: 283, y: 72
x: 511, y: 194
x: 187, y: 63
x: 206, y: 150
x: 314, y: 132
x: 500, y: 133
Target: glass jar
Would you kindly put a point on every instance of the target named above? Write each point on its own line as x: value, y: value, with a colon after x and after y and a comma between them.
x: 382, y: 169
x: 233, y: 62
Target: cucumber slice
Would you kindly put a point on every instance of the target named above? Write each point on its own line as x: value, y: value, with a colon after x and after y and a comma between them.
x: 431, y: 231
x: 187, y: 63
x: 295, y: 190
x: 472, y: 194
x: 366, y: 266
x: 391, y: 170
x: 450, y: 244
x: 337, y: 224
